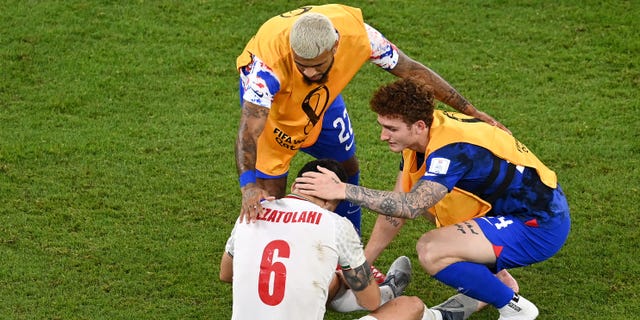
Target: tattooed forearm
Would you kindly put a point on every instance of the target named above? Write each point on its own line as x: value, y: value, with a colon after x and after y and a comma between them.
x: 358, y: 278
x: 254, y: 111
x: 398, y: 204
x: 251, y: 126
x: 457, y: 101
x: 245, y: 154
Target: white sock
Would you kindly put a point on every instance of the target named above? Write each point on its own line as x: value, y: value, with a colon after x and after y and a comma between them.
x: 430, y: 314
x: 386, y: 294
x: 347, y: 302
x: 368, y: 317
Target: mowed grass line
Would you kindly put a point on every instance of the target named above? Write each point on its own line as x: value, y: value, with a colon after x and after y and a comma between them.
x: 117, y: 122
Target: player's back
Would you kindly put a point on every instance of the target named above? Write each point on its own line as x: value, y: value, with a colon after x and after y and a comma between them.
x: 283, y: 263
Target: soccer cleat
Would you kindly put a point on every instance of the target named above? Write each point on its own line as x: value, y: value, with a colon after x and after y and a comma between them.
x: 458, y: 307
x: 377, y: 275
x: 398, y: 276
x: 518, y: 308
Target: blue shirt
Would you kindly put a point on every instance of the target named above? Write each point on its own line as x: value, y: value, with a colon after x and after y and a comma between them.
x: 469, y: 167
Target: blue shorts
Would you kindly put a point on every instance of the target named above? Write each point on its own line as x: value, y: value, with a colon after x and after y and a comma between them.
x: 336, y: 140
x: 518, y: 244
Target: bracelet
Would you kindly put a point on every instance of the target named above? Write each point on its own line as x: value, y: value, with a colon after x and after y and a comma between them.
x: 248, y: 176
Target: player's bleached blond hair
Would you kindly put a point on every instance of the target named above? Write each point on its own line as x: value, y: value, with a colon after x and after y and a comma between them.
x: 311, y: 35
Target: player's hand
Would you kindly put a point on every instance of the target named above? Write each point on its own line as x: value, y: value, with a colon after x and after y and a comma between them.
x: 490, y: 120
x: 324, y: 184
x: 251, y: 209
x: 508, y: 279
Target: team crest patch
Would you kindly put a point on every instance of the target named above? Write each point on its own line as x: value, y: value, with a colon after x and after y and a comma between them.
x: 439, y: 166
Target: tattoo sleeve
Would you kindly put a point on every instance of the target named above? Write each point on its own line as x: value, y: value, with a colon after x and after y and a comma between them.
x: 251, y: 125
x: 409, y: 205
x: 358, y: 278
x: 457, y: 101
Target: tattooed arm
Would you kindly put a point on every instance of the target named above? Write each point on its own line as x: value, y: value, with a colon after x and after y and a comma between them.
x: 252, y: 123
x: 326, y: 185
x: 442, y: 90
x: 360, y: 280
x: 384, y: 230
x: 408, y: 205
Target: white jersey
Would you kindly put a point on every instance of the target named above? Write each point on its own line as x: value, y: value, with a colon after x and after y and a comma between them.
x: 283, y: 263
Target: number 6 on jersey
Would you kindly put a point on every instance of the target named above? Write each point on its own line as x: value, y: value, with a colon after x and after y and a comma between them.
x: 273, y: 295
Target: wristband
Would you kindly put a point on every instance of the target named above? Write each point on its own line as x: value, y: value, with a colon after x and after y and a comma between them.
x: 248, y: 176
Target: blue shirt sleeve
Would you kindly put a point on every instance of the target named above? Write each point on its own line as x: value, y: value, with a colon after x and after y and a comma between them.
x: 459, y: 164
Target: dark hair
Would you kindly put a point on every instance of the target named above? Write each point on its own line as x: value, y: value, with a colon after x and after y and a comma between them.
x: 330, y: 164
x: 408, y: 99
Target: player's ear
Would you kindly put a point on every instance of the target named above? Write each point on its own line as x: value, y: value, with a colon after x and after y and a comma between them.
x: 420, y: 126
x: 293, y: 186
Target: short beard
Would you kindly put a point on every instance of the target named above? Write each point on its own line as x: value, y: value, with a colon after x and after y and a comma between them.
x: 323, y: 80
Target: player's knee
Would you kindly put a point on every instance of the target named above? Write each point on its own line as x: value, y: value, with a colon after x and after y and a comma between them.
x: 411, y: 307
x: 415, y: 306
x: 428, y: 253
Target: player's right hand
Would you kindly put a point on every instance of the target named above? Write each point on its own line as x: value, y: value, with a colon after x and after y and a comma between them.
x: 251, y: 208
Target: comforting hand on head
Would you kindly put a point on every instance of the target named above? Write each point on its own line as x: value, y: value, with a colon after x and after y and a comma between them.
x: 324, y: 184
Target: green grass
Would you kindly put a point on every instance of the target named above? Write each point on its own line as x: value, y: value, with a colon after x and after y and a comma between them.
x: 118, y: 118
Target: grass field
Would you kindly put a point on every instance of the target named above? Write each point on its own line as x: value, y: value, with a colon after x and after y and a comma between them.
x: 117, y: 122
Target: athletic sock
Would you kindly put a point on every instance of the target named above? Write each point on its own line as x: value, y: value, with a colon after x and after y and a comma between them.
x: 386, y: 294
x: 347, y: 302
x: 476, y: 281
x: 430, y: 314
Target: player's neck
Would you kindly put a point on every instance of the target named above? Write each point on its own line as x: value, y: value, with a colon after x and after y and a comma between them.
x: 312, y: 199
x: 299, y: 196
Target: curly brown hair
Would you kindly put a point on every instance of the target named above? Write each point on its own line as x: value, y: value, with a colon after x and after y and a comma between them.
x: 408, y: 99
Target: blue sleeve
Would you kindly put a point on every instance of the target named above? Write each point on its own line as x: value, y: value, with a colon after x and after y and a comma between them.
x: 459, y: 164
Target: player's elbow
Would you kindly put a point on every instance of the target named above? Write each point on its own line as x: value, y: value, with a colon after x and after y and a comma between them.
x: 225, y: 278
x: 226, y: 268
